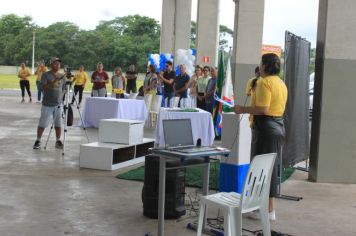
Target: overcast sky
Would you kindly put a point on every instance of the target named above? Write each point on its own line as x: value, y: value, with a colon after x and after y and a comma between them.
x: 297, y: 16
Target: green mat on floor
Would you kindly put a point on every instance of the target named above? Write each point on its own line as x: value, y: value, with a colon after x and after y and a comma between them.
x: 193, y: 175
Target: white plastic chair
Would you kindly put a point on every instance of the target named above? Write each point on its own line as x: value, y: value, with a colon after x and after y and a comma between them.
x: 148, y: 102
x: 175, y: 101
x: 255, y: 197
x: 155, y: 108
x: 132, y: 96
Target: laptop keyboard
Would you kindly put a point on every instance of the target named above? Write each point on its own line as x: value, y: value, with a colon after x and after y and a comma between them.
x: 193, y: 149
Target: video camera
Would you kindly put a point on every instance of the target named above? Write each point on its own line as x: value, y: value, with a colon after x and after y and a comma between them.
x: 69, y: 73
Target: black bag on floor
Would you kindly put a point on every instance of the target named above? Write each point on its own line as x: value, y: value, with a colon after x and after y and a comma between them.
x: 273, y: 233
x: 70, y: 116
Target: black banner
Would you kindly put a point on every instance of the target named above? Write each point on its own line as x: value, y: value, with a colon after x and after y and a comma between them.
x: 296, y: 77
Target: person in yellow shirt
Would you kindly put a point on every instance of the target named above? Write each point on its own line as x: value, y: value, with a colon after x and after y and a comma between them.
x: 80, y: 79
x: 23, y: 74
x: 269, y: 99
x: 41, y: 68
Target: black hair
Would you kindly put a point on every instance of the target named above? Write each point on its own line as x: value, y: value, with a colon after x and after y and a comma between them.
x: 257, y: 69
x: 272, y: 64
x: 207, y: 67
x: 169, y: 63
x: 152, y: 68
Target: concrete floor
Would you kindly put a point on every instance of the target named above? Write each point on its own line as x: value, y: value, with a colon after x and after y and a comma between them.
x: 44, y: 193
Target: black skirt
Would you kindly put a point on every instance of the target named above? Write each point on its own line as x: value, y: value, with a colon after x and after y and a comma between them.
x: 268, y: 137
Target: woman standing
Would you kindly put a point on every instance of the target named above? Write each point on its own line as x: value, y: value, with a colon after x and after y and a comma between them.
x: 192, y: 85
x: 39, y: 71
x: 267, y: 106
x: 23, y: 74
x: 118, y: 83
x: 150, y: 82
x: 202, y: 83
x: 99, y: 79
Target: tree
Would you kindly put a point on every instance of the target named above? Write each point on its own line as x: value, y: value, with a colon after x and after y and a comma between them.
x: 16, y: 34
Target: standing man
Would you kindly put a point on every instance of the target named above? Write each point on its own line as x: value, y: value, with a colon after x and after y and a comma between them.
x: 131, y: 76
x: 167, y: 77
x: 99, y: 79
x: 39, y: 72
x: 210, y: 90
x: 53, y: 85
x: 23, y: 74
x: 181, y: 85
x: 80, y: 79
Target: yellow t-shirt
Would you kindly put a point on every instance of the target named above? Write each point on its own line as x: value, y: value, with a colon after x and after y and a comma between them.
x: 80, y: 78
x: 24, y: 73
x: 202, y: 83
x: 271, y: 92
x: 39, y: 72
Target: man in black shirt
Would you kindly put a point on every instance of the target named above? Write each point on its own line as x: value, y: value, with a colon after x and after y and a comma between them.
x: 181, y: 84
x: 131, y: 76
x: 167, y: 77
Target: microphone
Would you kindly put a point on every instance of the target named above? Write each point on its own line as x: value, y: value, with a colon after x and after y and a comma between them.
x: 198, y: 142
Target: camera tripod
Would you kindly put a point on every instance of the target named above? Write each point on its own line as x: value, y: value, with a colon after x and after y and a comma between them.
x: 68, y: 85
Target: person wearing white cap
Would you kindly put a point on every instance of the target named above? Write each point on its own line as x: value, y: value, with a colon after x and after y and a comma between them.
x: 53, y: 85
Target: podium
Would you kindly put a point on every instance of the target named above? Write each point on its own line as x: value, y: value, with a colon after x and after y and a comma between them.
x: 236, y: 136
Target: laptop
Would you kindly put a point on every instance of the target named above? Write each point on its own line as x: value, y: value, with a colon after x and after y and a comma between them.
x: 178, y: 136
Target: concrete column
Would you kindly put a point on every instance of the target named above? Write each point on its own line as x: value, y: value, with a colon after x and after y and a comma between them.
x: 175, y: 28
x: 182, y: 24
x: 246, y: 55
x: 207, y: 40
x: 167, y: 26
x: 333, y: 142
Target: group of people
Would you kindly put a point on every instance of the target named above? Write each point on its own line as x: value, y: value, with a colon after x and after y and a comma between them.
x: 268, y: 99
x: 200, y: 87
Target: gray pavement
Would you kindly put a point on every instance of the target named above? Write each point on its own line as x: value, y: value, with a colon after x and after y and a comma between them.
x: 45, y: 193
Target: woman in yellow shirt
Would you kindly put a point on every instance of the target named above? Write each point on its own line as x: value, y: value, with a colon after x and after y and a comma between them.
x: 269, y: 102
x: 39, y: 71
x: 80, y: 79
x: 23, y: 74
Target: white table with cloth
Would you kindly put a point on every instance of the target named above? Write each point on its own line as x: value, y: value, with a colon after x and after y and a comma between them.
x: 202, y: 125
x: 97, y: 108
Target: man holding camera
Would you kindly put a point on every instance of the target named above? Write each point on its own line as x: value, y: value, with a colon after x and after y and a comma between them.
x: 53, y: 85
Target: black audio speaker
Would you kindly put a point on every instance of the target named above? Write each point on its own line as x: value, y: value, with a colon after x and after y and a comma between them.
x: 175, y: 189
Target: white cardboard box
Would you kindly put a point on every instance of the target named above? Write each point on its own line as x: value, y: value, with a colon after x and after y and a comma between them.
x: 120, y: 131
x: 112, y: 156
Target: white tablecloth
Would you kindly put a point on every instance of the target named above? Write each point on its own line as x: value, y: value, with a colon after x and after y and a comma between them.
x: 202, y: 125
x: 97, y: 108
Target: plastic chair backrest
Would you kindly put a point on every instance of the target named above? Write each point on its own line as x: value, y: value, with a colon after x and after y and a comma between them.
x: 132, y: 95
x: 148, y: 101
x: 258, y: 180
x: 157, y: 102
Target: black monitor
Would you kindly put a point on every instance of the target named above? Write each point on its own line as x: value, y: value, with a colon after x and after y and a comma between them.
x: 177, y: 132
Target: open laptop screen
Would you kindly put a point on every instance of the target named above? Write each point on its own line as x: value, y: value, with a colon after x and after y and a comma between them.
x: 177, y: 132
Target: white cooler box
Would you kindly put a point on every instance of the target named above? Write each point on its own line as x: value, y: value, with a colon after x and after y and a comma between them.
x: 121, y: 131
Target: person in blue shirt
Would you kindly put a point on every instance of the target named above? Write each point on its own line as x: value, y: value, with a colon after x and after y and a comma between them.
x: 181, y: 85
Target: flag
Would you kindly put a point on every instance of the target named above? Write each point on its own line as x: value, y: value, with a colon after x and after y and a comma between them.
x: 227, y: 90
x: 218, y: 106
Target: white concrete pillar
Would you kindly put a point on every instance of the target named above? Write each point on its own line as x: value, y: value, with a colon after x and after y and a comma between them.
x: 333, y: 142
x: 246, y: 54
x: 207, y: 39
x: 182, y: 24
x: 167, y: 26
x: 175, y: 28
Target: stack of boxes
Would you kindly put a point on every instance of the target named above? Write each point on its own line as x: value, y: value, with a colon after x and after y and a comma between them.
x: 121, y: 144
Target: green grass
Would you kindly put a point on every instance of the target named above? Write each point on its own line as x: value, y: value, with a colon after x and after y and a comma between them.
x: 12, y: 82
